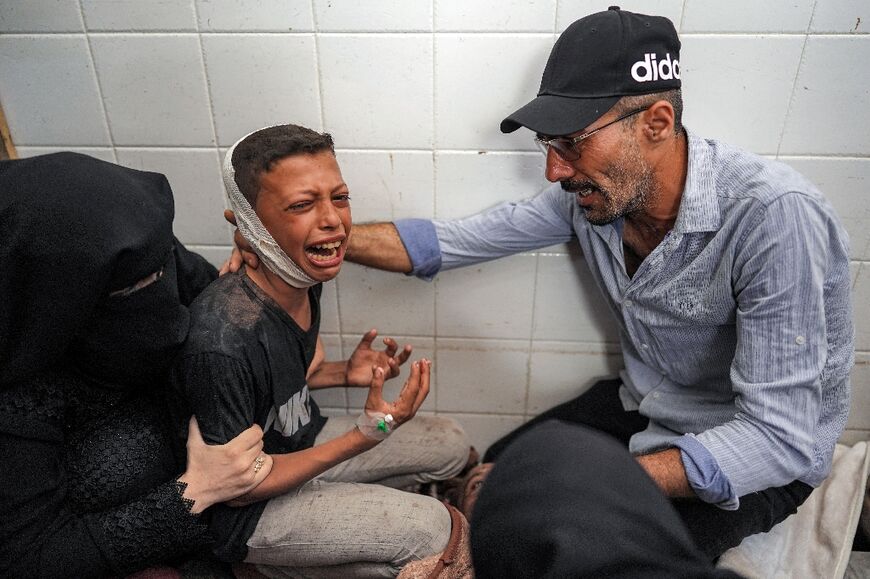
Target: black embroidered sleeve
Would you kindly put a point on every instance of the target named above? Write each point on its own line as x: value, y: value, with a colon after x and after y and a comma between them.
x: 47, y: 530
x: 157, y: 527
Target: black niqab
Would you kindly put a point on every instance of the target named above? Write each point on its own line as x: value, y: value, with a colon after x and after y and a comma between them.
x: 74, y: 229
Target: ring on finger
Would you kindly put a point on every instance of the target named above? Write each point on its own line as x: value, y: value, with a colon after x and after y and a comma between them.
x: 259, y: 462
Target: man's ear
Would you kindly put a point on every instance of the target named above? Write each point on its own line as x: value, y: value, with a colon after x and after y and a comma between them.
x: 658, y: 122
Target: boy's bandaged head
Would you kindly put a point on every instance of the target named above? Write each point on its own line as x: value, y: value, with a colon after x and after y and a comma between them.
x: 255, y: 232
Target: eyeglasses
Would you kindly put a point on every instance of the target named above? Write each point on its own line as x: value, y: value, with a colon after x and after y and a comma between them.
x: 567, y: 148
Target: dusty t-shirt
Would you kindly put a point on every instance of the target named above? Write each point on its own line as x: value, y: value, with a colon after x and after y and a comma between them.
x: 245, y: 362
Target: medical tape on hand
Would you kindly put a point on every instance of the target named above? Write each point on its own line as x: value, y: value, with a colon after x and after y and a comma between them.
x: 376, y: 425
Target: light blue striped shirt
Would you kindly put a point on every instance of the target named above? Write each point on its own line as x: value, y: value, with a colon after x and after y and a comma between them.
x: 736, y: 330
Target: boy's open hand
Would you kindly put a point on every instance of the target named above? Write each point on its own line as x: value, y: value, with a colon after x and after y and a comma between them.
x: 411, y: 397
x: 359, y: 366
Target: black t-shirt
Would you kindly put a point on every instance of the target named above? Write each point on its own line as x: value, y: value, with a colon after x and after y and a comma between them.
x: 245, y: 362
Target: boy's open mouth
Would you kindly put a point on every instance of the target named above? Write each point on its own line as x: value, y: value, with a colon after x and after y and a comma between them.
x: 323, y: 251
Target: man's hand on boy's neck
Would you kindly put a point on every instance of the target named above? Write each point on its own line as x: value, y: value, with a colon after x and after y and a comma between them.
x: 292, y: 300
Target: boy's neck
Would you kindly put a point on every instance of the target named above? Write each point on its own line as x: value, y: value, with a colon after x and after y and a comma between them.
x: 292, y: 300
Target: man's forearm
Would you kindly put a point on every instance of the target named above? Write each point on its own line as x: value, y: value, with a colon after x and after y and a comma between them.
x: 378, y: 245
x: 667, y: 471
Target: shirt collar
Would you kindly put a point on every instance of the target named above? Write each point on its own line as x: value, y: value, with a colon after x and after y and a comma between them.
x: 699, y: 205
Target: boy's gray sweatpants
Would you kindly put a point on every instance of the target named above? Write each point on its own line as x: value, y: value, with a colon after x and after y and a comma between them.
x: 351, y: 521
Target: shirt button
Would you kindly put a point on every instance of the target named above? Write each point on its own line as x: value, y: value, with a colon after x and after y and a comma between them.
x: 627, y: 303
x: 645, y: 346
x: 800, y: 340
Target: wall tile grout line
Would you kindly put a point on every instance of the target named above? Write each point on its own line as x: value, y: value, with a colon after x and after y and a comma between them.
x: 434, y: 13
x: 322, y: 113
x: 682, y: 17
x: 794, y: 85
x: 318, y: 67
x: 93, y: 61
x: 208, y: 89
x: 531, y: 338
x: 429, y: 151
x: 558, y: 3
x: 415, y: 32
x: 210, y: 97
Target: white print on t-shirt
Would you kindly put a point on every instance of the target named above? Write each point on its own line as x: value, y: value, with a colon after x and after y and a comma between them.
x: 293, y: 415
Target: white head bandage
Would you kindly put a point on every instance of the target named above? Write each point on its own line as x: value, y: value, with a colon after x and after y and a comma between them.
x: 256, y: 233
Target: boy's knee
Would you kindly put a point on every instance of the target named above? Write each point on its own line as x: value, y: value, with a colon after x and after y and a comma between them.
x: 449, y: 444
x: 427, y: 532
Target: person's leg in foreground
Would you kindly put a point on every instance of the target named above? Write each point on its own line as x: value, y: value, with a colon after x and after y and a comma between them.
x: 567, y: 501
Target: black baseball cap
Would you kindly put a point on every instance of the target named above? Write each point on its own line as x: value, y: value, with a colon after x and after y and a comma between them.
x: 596, y: 61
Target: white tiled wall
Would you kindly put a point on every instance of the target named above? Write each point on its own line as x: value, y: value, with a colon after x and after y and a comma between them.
x: 126, y: 15
x: 257, y: 80
x: 481, y: 78
x: 413, y: 92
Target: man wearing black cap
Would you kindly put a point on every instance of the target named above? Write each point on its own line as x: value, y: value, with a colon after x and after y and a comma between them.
x: 727, y: 274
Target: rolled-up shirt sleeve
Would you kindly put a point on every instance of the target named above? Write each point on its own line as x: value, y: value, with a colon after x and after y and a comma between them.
x: 704, y: 475
x: 421, y: 243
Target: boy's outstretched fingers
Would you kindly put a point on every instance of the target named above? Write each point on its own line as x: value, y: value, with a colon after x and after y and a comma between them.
x: 369, y: 338
x: 365, y: 355
x: 412, y: 385
x: 394, y: 367
x: 413, y: 393
x: 404, y: 355
x: 391, y: 347
x: 425, y: 367
x: 410, y: 393
x: 376, y: 388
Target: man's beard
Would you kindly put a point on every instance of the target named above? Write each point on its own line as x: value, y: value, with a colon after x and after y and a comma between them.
x: 633, y: 185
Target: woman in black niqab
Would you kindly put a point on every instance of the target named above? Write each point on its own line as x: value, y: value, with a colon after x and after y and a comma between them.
x: 93, y: 307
